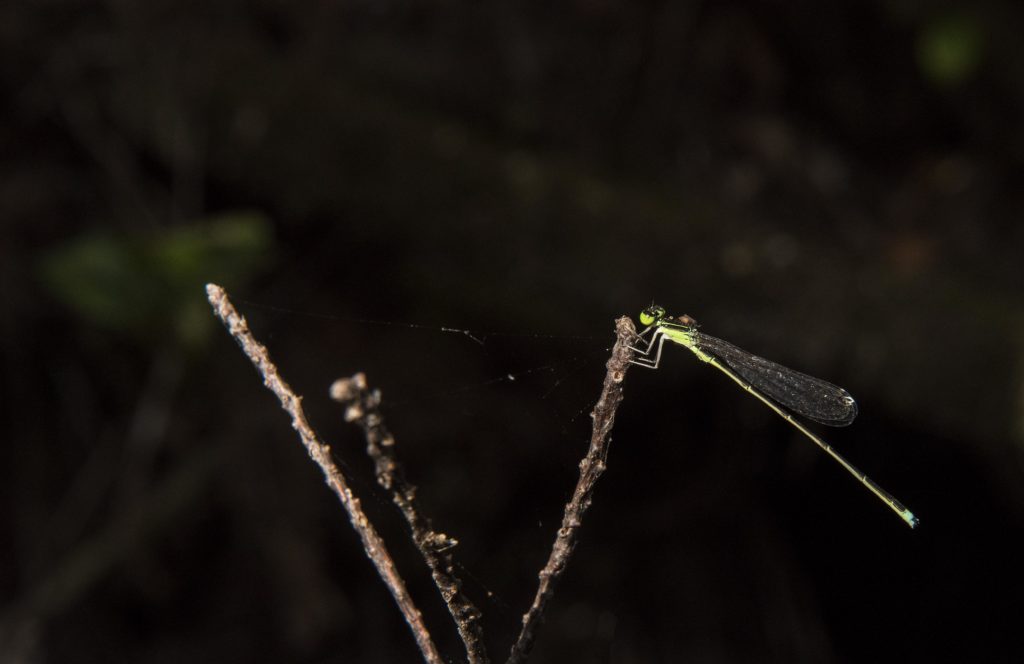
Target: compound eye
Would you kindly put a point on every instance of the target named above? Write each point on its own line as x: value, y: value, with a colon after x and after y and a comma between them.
x: 651, y: 315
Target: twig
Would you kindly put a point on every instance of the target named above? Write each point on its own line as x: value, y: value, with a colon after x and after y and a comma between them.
x: 320, y: 453
x: 363, y: 408
x: 591, y: 468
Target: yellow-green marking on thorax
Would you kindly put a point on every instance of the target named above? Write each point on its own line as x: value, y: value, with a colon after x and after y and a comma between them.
x: 680, y: 331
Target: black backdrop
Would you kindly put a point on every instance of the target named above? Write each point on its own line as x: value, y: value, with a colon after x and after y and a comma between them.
x: 837, y: 188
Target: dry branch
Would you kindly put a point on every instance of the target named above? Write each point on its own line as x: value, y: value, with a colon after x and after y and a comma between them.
x: 435, y: 547
x: 591, y: 468
x: 320, y: 453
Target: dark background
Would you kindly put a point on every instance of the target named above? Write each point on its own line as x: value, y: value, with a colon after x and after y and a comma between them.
x: 837, y: 188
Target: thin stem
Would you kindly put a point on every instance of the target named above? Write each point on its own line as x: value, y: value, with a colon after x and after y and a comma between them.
x: 320, y: 453
x: 435, y: 547
x: 591, y: 468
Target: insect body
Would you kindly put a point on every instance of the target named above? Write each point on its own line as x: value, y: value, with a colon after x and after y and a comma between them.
x: 783, y: 390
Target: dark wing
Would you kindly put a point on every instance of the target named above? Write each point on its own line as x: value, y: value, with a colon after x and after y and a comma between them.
x: 805, y: 395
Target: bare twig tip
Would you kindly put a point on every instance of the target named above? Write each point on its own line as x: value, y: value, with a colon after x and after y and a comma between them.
x: 341, y: 390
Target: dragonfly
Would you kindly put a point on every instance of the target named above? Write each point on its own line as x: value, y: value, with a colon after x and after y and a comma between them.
x: 784, y: 390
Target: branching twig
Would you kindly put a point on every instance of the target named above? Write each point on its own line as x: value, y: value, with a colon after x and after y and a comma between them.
x: 363, y: 408
x: 320, y: 453
x: 433, y: 545
x: 591, y: 468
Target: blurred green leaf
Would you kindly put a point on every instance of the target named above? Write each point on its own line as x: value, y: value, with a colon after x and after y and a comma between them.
x: 146, y: 286
x: 950, y: 48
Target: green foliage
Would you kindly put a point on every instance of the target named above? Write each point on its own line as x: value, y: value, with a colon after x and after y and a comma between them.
x: 149, y: 286
x: 950, y: 49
